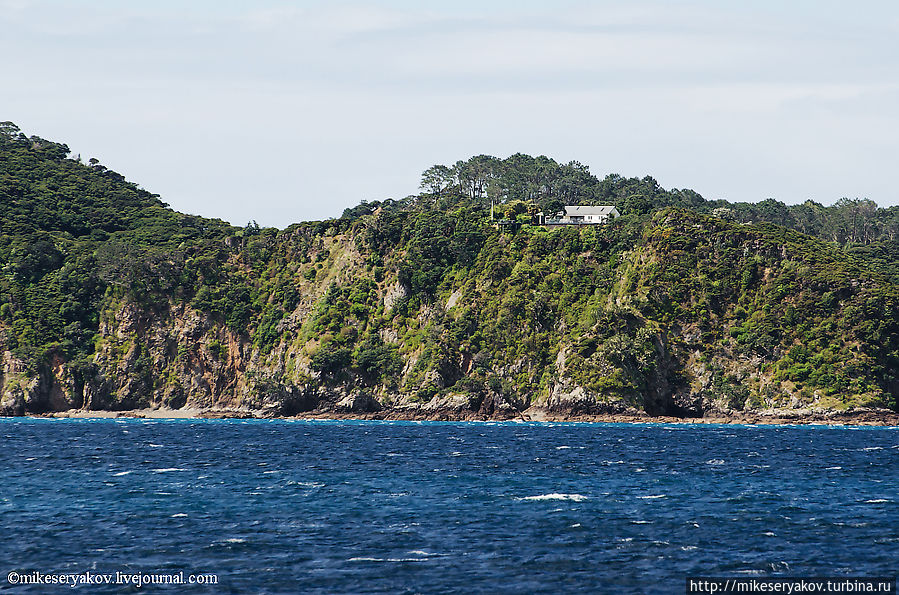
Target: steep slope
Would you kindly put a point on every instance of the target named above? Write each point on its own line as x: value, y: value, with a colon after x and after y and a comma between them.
x: 420, y: 307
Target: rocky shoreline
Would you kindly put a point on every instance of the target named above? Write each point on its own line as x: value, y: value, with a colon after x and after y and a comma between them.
x: 860, y: 417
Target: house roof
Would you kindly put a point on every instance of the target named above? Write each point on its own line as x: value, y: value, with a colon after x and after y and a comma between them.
x: 583, y: 211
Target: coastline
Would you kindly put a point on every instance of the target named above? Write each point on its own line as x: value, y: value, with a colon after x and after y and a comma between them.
x: 866, y: 417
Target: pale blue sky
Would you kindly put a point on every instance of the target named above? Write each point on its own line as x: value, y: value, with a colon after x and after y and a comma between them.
x: 285, y: 111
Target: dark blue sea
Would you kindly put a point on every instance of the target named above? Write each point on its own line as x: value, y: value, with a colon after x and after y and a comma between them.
x: 404, y: 507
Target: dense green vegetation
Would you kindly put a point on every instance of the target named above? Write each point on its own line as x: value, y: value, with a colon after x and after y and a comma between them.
x: 550, y: 185
x: 749, y: 305
x: 71, y: 230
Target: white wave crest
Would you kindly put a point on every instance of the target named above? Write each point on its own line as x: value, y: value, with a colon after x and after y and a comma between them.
x: 423, y: 553
x: 367, y: 559
x: 573, y: 497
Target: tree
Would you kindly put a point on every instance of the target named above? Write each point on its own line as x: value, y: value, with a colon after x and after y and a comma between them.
x: 475, y: 174
x: 9, y: 132
x: 437, y: 179
x: 330, y: 358
x: 375, y: 359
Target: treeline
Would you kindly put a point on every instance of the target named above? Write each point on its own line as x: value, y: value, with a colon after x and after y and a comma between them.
x: 846, y: 222
x: 547, y: 183
x: 551, y: 185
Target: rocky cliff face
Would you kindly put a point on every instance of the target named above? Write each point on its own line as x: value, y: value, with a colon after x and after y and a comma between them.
x: 111, y: 300
x: 179, y: 357
x: 696, y: 317
x: 38, y: 388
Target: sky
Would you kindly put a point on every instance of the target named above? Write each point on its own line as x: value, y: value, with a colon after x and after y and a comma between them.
x: 283, y: 111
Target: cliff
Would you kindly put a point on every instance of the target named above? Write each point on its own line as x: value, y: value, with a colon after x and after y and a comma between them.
x: 422, y: 308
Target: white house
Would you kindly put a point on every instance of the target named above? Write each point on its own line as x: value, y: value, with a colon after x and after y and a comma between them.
x: 586, y: 215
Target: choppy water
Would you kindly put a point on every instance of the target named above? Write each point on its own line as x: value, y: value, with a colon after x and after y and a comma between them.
x: 402, y: 507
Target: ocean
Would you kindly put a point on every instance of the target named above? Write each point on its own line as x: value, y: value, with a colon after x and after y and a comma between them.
x: 282, y: 506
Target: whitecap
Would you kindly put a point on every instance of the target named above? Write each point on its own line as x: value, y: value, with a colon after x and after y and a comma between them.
x: 423, y: 553
x: 689, y: 548
x: 367, y: 559
x: 715, y: 462
x: 31, y: 459
x: 641, y: 522
x: 554, y: 496
x: 151, y: 445
x: 833, y: 468
x: 575, y: 526
x: 873, y: 448
x: 168, y: 469
x: 652, y: 497
x: 306, y: 484
x: 121, y: 473
x: 876, y: 501
x: 179, y: 515
x: 769, y: 533
x: 235, y: 540
x: 563, y: 447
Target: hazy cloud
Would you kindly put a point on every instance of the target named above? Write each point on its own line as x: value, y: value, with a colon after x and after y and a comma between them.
x: 280, y: 111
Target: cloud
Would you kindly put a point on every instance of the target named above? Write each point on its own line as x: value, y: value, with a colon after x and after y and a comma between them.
x: 279, y: 111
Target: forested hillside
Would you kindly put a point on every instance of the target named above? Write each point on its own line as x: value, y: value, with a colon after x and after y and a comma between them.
x: 111, y: 300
